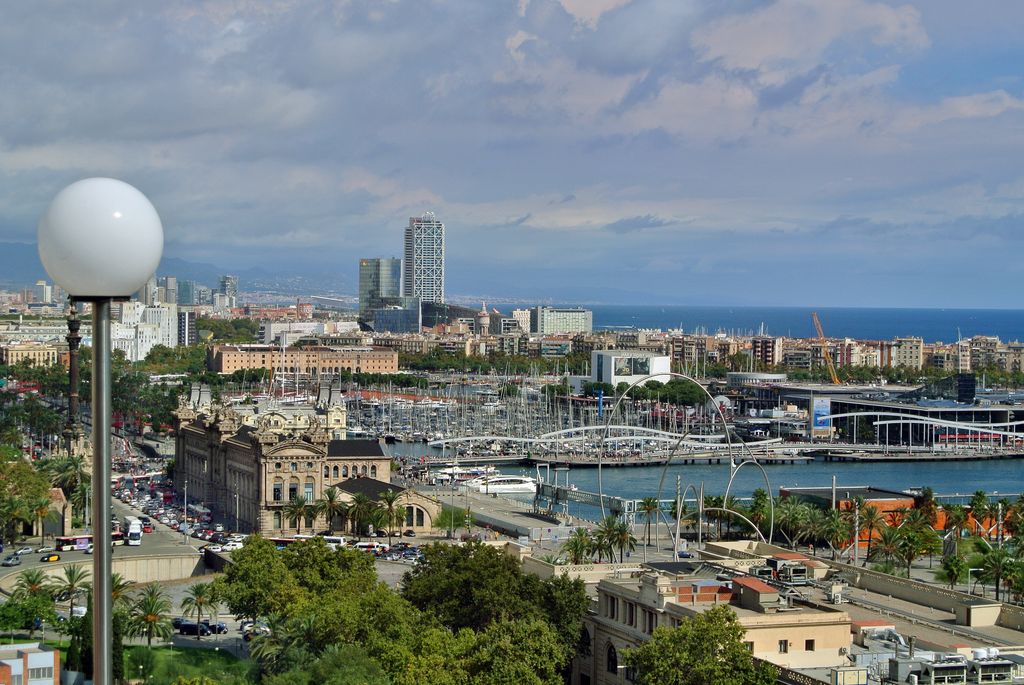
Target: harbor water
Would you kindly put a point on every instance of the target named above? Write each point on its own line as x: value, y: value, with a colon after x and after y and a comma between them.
x: 997, y: 478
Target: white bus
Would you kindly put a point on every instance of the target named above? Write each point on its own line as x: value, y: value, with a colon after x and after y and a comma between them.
x: 335, y: 541
x: 133, y: 529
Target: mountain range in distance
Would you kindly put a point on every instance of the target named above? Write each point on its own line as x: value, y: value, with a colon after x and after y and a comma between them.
x: 20, y: 267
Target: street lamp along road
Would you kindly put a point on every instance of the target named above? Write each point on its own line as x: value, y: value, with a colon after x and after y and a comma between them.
x: 101, y: 240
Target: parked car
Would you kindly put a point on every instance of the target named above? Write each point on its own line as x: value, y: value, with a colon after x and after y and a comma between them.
x: 193, y: 628
x: 410, y: 533
x: 231, y: 546
x: 50, y: 557
x: 218, y: 628
x: 12, y: 560
x: 213, y: 548
x: 176, y: 622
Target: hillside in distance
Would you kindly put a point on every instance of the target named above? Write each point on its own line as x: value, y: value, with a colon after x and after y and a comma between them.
x: 20, y: 267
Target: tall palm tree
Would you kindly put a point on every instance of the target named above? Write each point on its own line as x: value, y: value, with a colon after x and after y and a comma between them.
x: 927, y: 505
x: 119, y: 587
x: 330, y: 506
x: 67, y: 472
x: 954, y: 566
x: 760, y: 507
x: 996, y: 566
x: 389, y: 501
x: 979, y: 506
x: 888, y: 546
x: 74, y: 582
x: 578, y: 546
x: 41, y: 511
x: 604, y: 538
x: 359, y: 512
x: 956, y: 518
x: 199, y: 600
x: 871, y: 520
x: 834, y: 529
x: 32, y: 582
x: 14, y: 512
x: 794, y: 519
x: 649, y: 507
x: 296, y: 509
x: 622, y: 538
x: 149, y: 615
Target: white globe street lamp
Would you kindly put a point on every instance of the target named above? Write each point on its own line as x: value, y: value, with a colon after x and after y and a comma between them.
x: 101, y: 240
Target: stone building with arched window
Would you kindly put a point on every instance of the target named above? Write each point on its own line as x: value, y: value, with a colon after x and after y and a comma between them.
x: 247, y: 468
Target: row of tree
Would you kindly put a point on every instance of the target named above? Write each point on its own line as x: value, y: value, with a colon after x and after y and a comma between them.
x: 143, y: 612
x: 466, y: 614
x: 357, y: 515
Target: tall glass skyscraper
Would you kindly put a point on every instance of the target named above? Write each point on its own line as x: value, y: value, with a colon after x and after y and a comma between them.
x: 423, y: 274
x: 379, y: 278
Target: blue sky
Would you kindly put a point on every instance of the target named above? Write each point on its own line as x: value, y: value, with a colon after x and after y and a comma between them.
x: 794, y: 152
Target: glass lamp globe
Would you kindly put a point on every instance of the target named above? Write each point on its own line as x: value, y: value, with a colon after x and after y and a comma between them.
x: 100, y: 238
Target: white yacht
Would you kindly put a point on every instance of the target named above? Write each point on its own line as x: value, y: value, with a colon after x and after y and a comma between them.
x: 503, y: 484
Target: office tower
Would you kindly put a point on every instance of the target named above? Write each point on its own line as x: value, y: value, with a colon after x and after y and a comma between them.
x: 229, y: 289
x: 522, y: 316
x: 148, y: 294
x: 203, y: 295
x: 187, y: 292
x: 229, y: 285
x: 423, y: 267
x: 379, y: 278
x: 169, y: 284
x: 548, y: 320
x: 187, y: 334
x: 43, y: 292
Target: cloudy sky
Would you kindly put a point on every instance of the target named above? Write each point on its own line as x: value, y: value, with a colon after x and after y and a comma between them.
x: 803, y: 152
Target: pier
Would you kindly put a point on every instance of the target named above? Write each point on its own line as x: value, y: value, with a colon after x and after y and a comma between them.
x: 613, y: 461
x: 915, y: 456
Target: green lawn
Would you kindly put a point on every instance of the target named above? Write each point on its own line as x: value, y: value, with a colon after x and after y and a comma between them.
x: 165, y: 664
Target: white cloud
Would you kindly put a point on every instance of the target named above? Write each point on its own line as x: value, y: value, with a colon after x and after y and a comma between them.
x: 792, y: 36
x: 974, y: 106
x: 710, y: 109
x: 589, y: 12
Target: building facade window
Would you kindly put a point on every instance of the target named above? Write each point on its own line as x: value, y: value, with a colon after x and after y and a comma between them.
x: 373, y: 471
x: 612, y: 660
x: 419, y: 517
x: 809, y: 645
x: 277, y: 520
x: 278, y: 488
x: 293, y: 490
x: 336, y: 471
x: 308, y: 494
x: 783, y: 646
x: 344, y: 471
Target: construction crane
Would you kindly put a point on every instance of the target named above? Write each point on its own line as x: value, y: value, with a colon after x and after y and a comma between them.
x: 824, y: 349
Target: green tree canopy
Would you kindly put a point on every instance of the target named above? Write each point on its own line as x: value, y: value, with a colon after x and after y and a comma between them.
x: 706, y: 649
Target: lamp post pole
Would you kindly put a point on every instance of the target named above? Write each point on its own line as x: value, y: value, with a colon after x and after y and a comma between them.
x: 184, y: 538
x: 100, y: 240
x: 102, y: 617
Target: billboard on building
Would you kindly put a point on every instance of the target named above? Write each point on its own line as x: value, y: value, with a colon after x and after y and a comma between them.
x: 820, y: 410
x: 632, y: 366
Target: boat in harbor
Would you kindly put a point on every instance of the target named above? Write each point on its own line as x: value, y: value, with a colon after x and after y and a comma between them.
x: 503, y: 484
